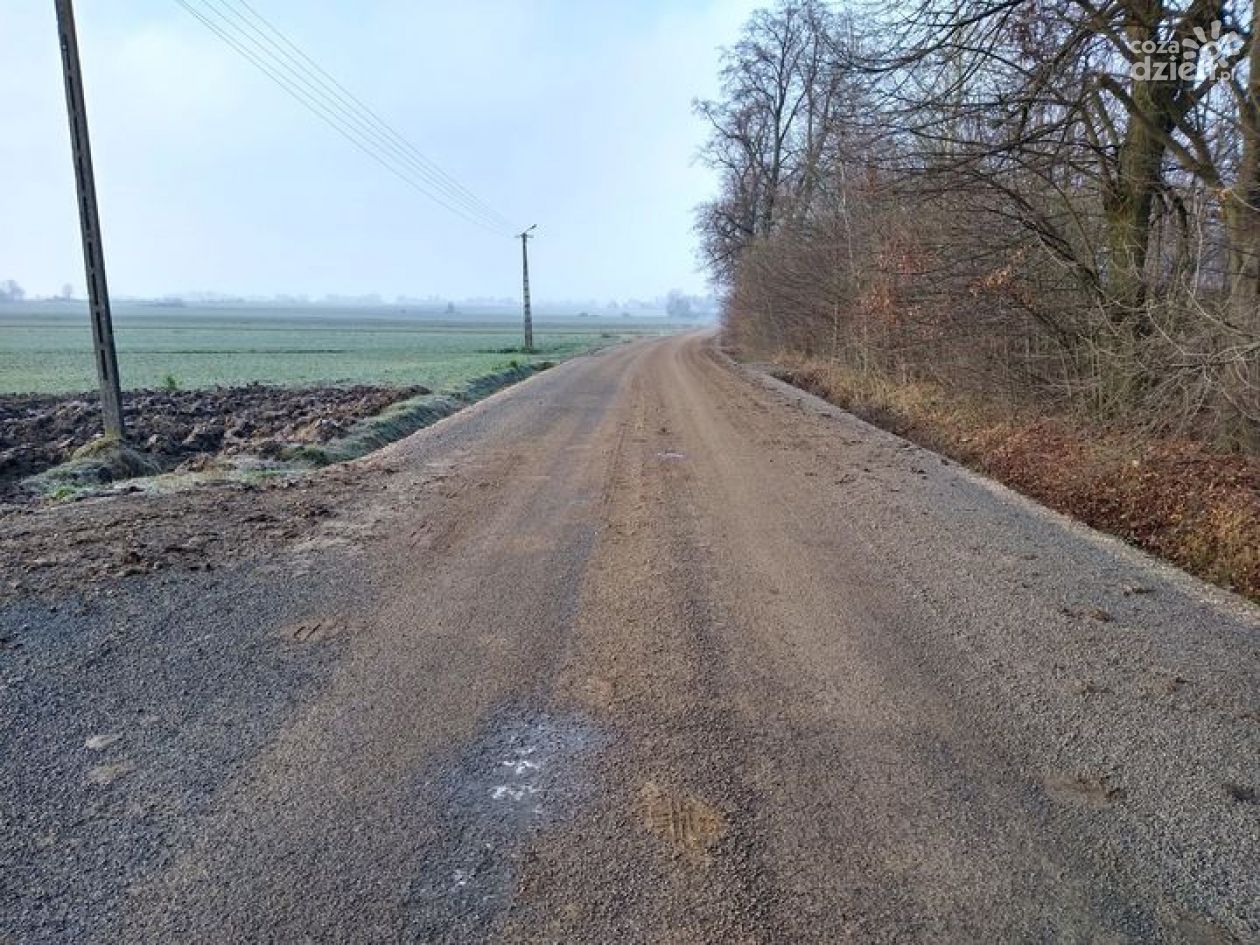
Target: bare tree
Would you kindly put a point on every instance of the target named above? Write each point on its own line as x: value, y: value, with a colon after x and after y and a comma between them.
x: 1062, y: 196
x: 773, y: 126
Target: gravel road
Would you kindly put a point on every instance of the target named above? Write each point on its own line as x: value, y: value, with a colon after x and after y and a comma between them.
x: 649, y: 648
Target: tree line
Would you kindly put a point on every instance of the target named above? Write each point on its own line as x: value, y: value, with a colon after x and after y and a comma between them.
x: 1051, y: 201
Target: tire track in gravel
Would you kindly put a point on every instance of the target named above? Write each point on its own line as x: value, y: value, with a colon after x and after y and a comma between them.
x: 648, y: 649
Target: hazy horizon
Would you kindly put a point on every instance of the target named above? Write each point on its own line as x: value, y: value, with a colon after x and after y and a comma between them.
x: 211, y: 178
x: 210, y: 299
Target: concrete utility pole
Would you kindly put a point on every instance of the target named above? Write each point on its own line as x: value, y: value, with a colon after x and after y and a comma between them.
x: 529, y: 321
x: 90, y: 223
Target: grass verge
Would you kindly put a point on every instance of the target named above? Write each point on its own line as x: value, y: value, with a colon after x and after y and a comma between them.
x: 100, y: 462
x: 406, y: 417
x: 1174, y: 497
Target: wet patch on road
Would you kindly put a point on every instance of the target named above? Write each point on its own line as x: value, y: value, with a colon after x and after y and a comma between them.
x: 523, y: 772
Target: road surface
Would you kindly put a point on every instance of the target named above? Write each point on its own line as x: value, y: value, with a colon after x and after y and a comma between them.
x: 653, y: 649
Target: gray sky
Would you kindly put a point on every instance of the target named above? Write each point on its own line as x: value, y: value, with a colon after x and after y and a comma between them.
x: 572, y: 114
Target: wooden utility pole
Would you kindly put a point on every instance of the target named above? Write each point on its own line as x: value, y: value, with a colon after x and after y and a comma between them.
x: 529, y: 321
x: 90, y: 224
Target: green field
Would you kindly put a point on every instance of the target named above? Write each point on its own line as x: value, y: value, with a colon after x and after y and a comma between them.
x: 47, y: 347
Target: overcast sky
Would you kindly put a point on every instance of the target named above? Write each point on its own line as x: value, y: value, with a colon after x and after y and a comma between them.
x: 572, y: 114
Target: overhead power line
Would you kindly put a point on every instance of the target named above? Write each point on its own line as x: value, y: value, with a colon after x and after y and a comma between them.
x: 389, y: 132
x: 242, y: 28
x: 346, y: 120
x: 270, y: 39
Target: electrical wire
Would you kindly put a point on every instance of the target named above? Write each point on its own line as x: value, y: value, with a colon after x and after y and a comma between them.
x: 386, y: 131
x: 316, y: 81
x: 371, y: 135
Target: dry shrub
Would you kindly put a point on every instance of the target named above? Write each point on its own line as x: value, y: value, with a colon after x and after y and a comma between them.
x: 1173, y: 496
